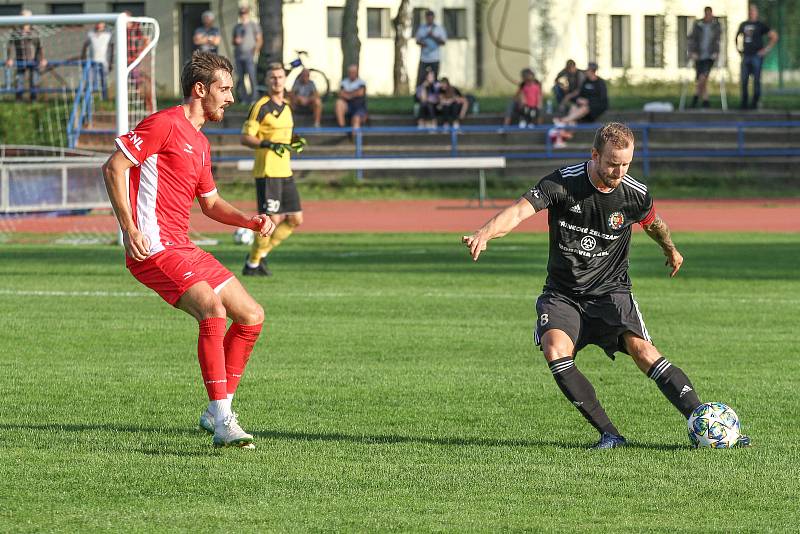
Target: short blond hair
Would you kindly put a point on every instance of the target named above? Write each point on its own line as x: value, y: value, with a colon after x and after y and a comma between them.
x: 616, y: 133
x: 276, y: 66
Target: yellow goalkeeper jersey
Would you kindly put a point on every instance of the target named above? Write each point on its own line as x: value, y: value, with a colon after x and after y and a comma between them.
x: 274, y: 123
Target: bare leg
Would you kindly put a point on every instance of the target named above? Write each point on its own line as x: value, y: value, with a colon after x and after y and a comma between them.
x: 340, y: 109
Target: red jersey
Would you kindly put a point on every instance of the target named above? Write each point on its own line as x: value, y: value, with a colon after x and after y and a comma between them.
x: 172, y: 166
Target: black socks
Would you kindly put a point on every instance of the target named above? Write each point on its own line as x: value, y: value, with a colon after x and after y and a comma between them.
x: 675, y: 386
x: 581, y: 394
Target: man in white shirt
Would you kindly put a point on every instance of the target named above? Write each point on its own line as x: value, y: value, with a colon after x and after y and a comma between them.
x: 430, y: 37
x: 98, y: 49
x: 351, y: 104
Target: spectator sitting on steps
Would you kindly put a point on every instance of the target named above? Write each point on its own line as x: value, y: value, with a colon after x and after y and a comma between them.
x: 305, y: 97
x: 427, y: 96
x: 351, y: 104
x: 568, y: 85
x: 452, y: 104
x: 591, y: 103
x: 525, y: 108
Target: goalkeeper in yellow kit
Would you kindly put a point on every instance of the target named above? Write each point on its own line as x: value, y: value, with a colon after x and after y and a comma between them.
x: 268, y: 130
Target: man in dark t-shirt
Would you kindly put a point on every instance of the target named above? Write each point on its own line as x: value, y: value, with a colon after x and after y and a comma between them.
x: 587, y: 297
x: 753, y: 51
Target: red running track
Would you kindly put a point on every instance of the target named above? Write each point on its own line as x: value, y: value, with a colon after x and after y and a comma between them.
x: 773, y: 215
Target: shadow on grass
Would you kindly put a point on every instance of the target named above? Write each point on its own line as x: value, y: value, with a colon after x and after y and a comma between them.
x: 363, y: 439
x: 443, y: 441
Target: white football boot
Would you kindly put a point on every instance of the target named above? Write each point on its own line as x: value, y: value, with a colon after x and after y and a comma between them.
x: 230, y: 434
x: 207, y: 422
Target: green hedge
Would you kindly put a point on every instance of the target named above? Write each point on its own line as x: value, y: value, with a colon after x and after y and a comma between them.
x: 26, y: 123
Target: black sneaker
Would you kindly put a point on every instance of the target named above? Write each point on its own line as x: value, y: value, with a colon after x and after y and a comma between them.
x: 694, y: 101
x: 609, y: 441
x: 706, y: 104
x: 261, y: 270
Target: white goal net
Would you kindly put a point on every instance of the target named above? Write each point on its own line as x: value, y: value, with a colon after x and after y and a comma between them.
x: 69, y: 84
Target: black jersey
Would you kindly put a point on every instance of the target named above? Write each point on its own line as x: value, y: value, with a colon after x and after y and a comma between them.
x: 590, y: 231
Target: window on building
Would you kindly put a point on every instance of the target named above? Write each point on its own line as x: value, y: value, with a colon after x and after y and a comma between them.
x: 654, y: 41
x: 378, y: 23
x: 685, y: 25
x: 136, y: 8
x: 591, y: 37
x: 335, y: 21
x: 10, y: 10
x: 455, y: 23
x: 620, y: 41
x: 65, y: 9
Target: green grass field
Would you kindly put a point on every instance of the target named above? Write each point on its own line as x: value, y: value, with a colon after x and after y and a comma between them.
x: 396, y: 389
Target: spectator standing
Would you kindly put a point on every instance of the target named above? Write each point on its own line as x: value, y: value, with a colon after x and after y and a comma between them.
x: 25, y: 52
x: 525, y: 108
x: 351, y: 104
x: 305, y: 97
x: 704, y: 50
x: 452, y: 104
x: 247, y: 41
x: 98, y: 49
x: 207, y: 37
x: 568, y: 84
x: 430, y: 37
x: 753, y: 51
x: 427, y: 96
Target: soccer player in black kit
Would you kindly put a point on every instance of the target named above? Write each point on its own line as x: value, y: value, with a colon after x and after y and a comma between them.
x: 587, y: 296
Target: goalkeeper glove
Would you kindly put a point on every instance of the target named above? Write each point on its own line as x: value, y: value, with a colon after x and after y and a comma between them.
x: 278, y: 148
x: 298, y: 143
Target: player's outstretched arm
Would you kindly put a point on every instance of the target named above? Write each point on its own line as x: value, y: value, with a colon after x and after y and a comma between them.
x: 498, y: 226
x: 217, y: 208
x: 659, y: 232
x: 137, y: 246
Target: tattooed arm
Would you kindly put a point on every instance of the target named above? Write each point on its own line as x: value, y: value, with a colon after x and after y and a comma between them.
x: 659, y: 232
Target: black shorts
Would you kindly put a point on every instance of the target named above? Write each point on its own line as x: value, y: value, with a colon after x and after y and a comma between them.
x: 277, y: 195
x: 593, y: 115
x: 598, y: 321
x: 356, y: 106
x: 703, y: 66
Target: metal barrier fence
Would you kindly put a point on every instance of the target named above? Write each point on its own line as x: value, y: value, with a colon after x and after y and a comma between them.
x: 75, y: 184
x: 644, y: 130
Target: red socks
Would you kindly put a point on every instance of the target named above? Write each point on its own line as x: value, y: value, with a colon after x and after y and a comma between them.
x: 211, y: 354
x: 238, y: 345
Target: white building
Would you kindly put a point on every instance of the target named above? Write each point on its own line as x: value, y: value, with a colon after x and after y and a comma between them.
x: 486, y: 49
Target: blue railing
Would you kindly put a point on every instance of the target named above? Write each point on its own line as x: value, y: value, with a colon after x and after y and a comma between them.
x: 93, y: 80
x: 547, y: 151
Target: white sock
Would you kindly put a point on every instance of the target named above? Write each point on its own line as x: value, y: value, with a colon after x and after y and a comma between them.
x: 252, y: 265
x: 221, y: 409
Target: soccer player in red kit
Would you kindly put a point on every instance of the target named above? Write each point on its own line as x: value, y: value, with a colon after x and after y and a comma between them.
x: 170, y: 165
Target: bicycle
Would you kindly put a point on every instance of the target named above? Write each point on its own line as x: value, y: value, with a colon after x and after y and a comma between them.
x: 293, y: 70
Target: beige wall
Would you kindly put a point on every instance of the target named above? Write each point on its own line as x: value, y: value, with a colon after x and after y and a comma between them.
x: 510, y: 29
x: 569, y: 18
x: 305, y: 27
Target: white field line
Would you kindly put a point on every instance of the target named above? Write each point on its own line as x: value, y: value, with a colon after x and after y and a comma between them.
x: 375, y: 294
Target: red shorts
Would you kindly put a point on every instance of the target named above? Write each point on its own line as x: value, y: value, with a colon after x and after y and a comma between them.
x: 174, y: 270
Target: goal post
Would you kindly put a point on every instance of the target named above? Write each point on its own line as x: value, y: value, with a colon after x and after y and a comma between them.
x: 127, y: 58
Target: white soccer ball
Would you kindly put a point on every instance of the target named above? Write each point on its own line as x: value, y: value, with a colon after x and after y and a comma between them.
x: 714, y: 425
x: 243, y: 236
